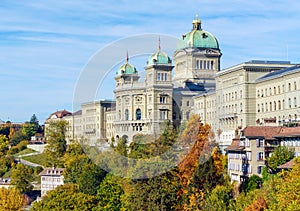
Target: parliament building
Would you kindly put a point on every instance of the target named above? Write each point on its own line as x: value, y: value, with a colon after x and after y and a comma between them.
x: 254, y: 93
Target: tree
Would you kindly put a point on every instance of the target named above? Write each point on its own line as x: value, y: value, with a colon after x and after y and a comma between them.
x: 22, y: 176
x: 4, y: 145
x: 157, y: 193
x: 109, y: 194
x: 6, y: 163
x: 29, y: 129
x: 57, y: 145
x: 80, y: 170
x: 65, y: 197
x: 17, y: 137
x: 219, y: 198
x: 11, y: 199
x: 253, y: 182
x: 280, y: 156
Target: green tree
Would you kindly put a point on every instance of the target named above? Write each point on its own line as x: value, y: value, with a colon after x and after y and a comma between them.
x: 17, y: 137
x: 4, y: 145
x: 22, y: 176
x: 109, y: 194
x: 65, y: 197
x: 57, y: 145
x: 80, y: 170
x: 6, y: 163
x: 157, y: 193
x: 219, y: 198
x: 280, y: 156
x: 29, y: 129
x: 253, y: 182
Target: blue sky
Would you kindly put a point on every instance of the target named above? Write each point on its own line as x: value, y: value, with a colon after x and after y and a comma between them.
x: 46, y: 44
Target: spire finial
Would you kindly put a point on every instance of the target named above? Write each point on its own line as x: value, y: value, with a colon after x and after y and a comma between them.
x: 159, y: 43
x: 197, y: 23
x: 127, y: 57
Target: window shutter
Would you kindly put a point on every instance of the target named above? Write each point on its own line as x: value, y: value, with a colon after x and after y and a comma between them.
x: 257, y: 142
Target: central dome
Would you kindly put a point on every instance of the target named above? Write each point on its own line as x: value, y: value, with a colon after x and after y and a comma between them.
x: 198, y: 38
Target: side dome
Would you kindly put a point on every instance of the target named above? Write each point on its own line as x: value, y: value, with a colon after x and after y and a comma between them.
x: 159, y: 58
x: 198, y: 38
x: 126, y: 69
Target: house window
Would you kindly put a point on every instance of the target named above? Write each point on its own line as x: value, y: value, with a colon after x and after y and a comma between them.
x: 187, y: 103
x: 212, y: 65
x: 163, y: 99
x: 290, y: 103
x: 259, y: 169
x: 275, y: 106
x: 295, y: 102
x: 158, y: 76
x: 295, y: 85
x: 126, y: 114
x: 289, y: 86
x: 163, y: 114
x: 249, y: 155
x: 260, y: 156
x: 138, y: 114
x: 278, y: 89
x: 187, y: 115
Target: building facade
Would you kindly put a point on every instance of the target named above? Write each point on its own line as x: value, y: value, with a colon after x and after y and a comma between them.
x: 249, y: 151
x: 50, y: 179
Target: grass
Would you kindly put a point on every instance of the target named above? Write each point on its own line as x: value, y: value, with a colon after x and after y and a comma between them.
x: 25, y: 151
x: 39, y: 159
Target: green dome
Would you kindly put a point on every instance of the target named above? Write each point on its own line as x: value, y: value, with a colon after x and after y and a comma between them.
x: 126, y: 69
x: 159, y: 58
x: 198, y: 38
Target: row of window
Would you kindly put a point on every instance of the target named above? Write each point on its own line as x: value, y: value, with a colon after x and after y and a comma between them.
x: 295, y: 143
x: 162, y: 77
x: 51, y: 179
x: 276, y: 90
x: 204, y: 64
x: 229, y: 97
x: 274, y: 106
x: 138, y: 114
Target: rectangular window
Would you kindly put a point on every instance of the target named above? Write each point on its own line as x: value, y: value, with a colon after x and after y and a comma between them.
x: 163, y: 114
x: 249, y: 155
x: 163, y: 99
x: 260, y: 156
x: 158, y: 77
x: 259, y: 169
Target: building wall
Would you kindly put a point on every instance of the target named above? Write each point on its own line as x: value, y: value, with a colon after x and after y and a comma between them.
x: 278, y: 98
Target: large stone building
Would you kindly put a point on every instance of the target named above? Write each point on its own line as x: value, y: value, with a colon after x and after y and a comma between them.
x: 255, y: 93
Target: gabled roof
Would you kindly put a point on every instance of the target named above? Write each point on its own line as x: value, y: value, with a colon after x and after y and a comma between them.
x: 287, y: 165
x: 234, y: 146
x: 60, y: 114
x: 289, y: 132
x: 266, y: 132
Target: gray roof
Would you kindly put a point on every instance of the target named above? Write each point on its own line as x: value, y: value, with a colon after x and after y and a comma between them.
x: 279, y: 73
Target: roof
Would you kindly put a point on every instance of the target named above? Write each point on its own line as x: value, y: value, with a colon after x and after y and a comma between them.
x: 159, y: 57
x: 279, y: 73
x: 52, y: 172
x: 267, y: 132
x: 289, y: 132
x: 198, y: 38
x: 60, y: 114
x: 287, y: 165
x: 234, y: 146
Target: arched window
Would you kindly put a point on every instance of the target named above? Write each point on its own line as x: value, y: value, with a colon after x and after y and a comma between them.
x: 270, y: 106
x: 126, y: 114
x: 274, y: 90
x: 119, y: 115
x: 138, y: 114
x: 279, y: 105
x: 275, y: 106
